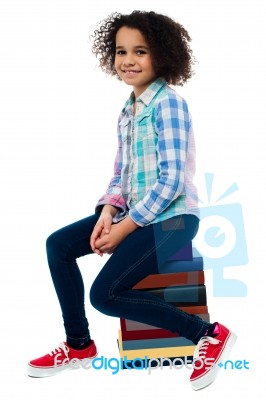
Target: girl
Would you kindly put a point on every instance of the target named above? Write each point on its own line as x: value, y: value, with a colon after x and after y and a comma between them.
x: 149, y: 210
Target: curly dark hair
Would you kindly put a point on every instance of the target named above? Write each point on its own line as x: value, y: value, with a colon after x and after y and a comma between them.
x: 171, y: 54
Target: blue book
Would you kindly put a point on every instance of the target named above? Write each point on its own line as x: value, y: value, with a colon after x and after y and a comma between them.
x: 196, y: 264
x: 181, y: 296
x: 156, y: 343
x: 184, y: 254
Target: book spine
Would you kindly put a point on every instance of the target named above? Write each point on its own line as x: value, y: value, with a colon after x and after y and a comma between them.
x: 127, y: 324
x: 181, y: 266
x: 182, y: 295
x: 170, y: 279
x: 156, y: 343
x: 177, y: 351
x: 184, y: 254
x: 154, y: 332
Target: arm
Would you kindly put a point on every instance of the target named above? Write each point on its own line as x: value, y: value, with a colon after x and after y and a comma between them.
x: 113, y: 195
x: 173, y: 128
x: 106, y: 236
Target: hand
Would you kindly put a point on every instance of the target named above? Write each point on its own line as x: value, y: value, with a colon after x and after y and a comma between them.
x: 101, y: 228
x: 108, y: 242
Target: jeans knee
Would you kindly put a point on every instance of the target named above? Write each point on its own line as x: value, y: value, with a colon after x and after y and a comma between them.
x: 99, y: 298
x: 54, y: 246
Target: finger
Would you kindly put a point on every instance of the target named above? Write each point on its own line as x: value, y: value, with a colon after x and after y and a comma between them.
x: 103, y: 233
x: 95, y: 235
x: 99, y: 252
x: 107, y: 225
x: 100, y: 242
x: 97, y: 231
x: 92, y: 242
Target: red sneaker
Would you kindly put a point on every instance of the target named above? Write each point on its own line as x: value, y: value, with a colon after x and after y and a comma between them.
x: 61, y: 358
x: 210, y: 351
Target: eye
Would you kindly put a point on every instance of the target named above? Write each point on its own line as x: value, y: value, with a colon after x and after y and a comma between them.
x: 140, y: 52
x: 120, y: 52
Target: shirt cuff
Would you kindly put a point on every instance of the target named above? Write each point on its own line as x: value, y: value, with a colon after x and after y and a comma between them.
x: 116, y: 201
x: 142, y: 217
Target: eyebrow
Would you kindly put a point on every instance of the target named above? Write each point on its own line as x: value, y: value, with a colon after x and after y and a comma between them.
x: 135, y: 47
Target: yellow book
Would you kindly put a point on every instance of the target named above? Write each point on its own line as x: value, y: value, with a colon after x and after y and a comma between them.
x: 159, y: 352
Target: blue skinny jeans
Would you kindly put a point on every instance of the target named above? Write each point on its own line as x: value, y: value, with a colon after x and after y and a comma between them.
x: 141, y: 253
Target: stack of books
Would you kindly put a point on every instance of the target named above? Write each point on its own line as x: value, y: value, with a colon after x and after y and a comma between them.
x: 180, y: 282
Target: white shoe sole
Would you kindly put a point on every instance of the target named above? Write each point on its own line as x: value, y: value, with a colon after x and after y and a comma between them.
x: 40, y: 372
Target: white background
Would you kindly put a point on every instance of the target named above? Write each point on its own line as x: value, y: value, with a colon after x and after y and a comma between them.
x: 58, y: 116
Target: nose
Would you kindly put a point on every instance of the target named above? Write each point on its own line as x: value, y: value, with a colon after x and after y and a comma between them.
x: 129, y: 59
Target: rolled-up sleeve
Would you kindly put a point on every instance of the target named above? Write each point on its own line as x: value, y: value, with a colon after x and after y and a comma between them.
x: 113, y: 195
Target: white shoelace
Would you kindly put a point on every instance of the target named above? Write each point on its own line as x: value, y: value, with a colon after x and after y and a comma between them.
x: 58, y: 349
x: 202, y: 346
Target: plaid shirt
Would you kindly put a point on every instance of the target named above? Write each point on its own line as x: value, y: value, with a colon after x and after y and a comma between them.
x: 155, y: 161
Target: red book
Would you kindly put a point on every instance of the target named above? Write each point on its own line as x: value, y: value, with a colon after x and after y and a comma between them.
x: 133, y: 330
x: 171, y: 279
x: 153, y: 333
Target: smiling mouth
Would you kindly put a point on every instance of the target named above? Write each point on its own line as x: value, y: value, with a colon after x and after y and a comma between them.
x: 130, y: 72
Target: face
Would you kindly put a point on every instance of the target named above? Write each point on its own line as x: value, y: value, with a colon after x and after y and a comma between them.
x: 133, y: 61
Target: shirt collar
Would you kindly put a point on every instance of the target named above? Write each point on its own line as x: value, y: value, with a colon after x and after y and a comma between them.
x: 147, y: 96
